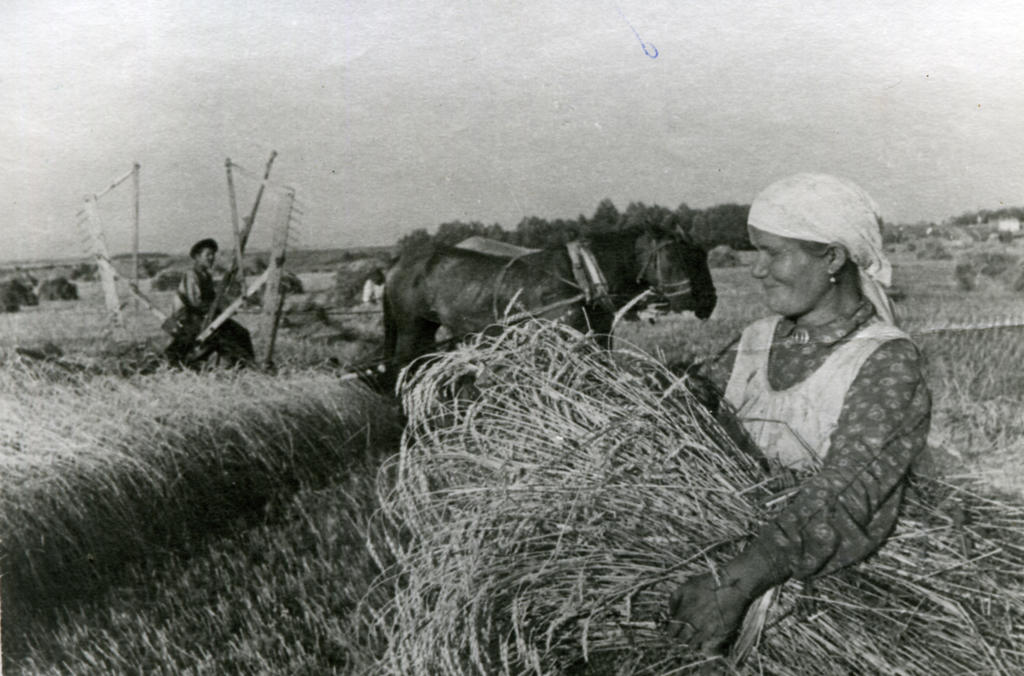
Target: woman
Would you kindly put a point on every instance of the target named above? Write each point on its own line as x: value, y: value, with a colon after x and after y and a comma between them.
x: 828, y: 383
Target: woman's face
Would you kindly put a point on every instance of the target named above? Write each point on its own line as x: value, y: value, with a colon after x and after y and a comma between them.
x: 794, y: 280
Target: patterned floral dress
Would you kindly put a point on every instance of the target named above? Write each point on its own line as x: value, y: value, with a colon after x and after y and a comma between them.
x: 845, y: 510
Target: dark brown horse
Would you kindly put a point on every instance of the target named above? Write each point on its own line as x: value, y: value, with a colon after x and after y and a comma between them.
x: 467, y: 292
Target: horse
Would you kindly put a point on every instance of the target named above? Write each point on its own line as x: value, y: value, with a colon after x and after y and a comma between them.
x: 467, y: 291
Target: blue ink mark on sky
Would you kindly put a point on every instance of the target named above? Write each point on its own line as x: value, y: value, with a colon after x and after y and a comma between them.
x: 648, y: 47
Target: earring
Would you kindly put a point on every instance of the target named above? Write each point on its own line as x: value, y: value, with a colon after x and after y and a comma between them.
x: 832, y: 279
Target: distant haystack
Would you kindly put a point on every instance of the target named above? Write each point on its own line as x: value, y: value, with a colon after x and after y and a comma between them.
x: 58, y: 288
x: 988, y: 269
x: 167, y: 280
x: 290, y: 283
x: 255, y: 266
x: 933, y: 250
x: 149, y: 268
x: 15, y: 294
x: 8, y: 299
x: 85, y: 272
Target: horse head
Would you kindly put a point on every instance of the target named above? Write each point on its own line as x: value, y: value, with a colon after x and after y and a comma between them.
x: 675, y: 268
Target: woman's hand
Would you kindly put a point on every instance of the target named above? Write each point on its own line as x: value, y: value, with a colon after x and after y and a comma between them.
x: 706, y: 615
x: 706, y: 612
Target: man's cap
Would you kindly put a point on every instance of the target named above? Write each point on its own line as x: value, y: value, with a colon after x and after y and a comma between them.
x: 208, y: 243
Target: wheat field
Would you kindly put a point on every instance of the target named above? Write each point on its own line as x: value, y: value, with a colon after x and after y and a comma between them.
x: 217, y: 523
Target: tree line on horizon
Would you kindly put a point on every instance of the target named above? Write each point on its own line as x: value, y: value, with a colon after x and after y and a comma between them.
x: 721, y: 224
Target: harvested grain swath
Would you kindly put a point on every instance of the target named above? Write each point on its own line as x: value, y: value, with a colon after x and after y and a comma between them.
x: 548, y: 497
x: 97, y: 471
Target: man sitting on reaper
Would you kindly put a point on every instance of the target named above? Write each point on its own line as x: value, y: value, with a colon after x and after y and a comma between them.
x: 193, y: 300
x: 827, y: 387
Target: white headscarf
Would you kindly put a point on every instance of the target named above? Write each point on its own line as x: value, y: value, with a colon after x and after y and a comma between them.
x: 830, y: 210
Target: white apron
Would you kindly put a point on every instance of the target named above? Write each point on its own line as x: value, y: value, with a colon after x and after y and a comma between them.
x: 794, y: 426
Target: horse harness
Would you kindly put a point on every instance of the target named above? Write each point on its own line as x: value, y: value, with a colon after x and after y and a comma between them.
x: 587, y: 276
x: 667, y: 291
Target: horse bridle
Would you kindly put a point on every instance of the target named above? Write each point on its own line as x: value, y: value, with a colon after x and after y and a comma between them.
x: 666, y: 291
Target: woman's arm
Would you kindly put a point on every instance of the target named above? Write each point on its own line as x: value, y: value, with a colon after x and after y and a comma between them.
x: 845, y: 512
x: 839, y: 516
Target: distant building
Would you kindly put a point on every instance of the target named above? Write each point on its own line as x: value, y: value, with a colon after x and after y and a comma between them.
x: 1009, y: 225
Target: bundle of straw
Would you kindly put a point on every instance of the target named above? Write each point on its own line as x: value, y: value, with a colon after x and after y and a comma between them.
x: 549, y: 496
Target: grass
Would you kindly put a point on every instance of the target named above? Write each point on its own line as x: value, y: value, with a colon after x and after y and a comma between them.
x: 270, y: 593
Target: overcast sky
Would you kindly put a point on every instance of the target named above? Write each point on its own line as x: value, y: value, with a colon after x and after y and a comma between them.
x: 389, y: 116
